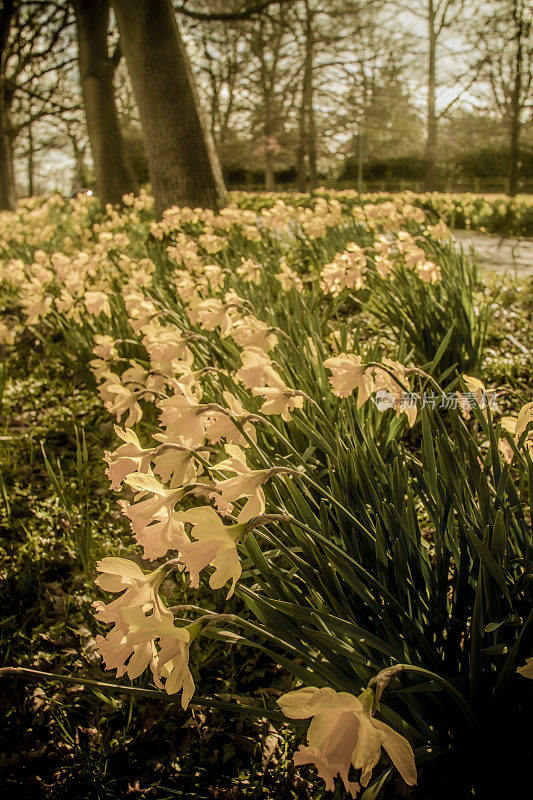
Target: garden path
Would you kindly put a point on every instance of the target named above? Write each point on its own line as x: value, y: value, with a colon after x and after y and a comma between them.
x: 514, y: 256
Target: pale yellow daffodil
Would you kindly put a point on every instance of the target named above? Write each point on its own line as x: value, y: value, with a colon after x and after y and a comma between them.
x: 349, y: 373
x: 216, y: 544
x: 343, y: 733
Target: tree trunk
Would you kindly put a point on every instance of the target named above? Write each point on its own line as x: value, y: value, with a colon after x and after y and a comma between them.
x: 360, y: 162
x: 79, y: 181
x: 114, y: 177
x: 301, y: 169
x: 309, y: 95
x: 311, y: 143
x: 514, y: 151
x: 31, y: 159
x: 270, y: 176
x: 7, y: 180
x: 182, y: 161
x: 516, y: 106
x: 431, y: 137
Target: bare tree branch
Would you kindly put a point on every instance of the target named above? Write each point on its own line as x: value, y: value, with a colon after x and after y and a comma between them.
x: 248, y: 12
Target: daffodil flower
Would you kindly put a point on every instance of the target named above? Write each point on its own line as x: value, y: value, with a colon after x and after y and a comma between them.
x: 104, y: 347
x: 174, y: 463
x: 288, y: 278
x: 119, y: 399
x: 171, y: 661
x: 153, y: 520
x: 219, y: 422
x: 343, y: 733
x: 251, y: 332
x: 526, y: 670
x: 127, y: 458
x: 97, y: 303
x: 349, y: 373
x: 138, y: 589
x: 182, y: 416
x: 246, y: 483
x: 122, y: 656
x: 516, y: 426
x: 253, y: 372
x: 215, y: 545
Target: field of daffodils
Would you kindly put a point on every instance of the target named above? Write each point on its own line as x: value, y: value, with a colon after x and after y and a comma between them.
x: 272, y: 464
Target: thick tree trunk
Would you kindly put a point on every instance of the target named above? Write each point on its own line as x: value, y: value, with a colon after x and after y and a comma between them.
x: 7, y: 181
x: 431, y: 135
x: 182, y: 161
x: 114, y: 177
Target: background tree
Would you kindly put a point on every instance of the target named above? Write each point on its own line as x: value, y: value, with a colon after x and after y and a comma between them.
x: 307, y: 146
x: 505, y: 37
x: 221, y: 55
x: 287, y: 89
x: 271, y: 46
x: 7, y: 179
x: 247, y: 70
x: 35, y: 48
x: 114, y: 176
x: 184, y: 167
x: 441, y: 24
